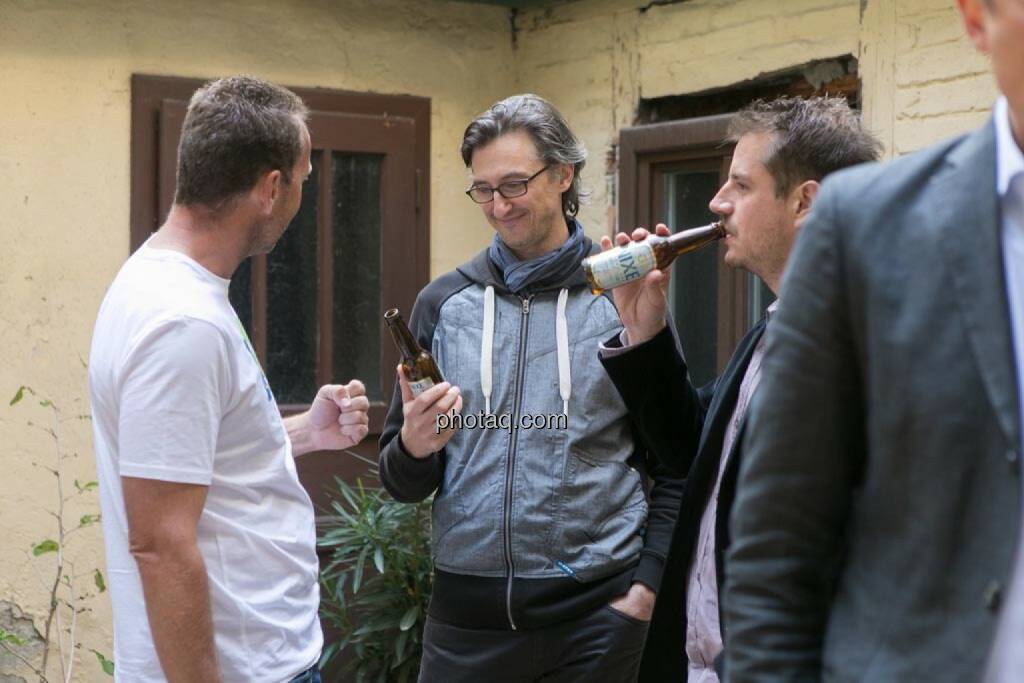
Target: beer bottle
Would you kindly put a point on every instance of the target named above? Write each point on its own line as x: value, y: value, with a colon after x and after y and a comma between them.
x: 420, y: 368
x: 620, y: 265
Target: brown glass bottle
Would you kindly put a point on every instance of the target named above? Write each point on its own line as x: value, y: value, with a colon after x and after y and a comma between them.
x: 420, y: 368
x: 620, y: 265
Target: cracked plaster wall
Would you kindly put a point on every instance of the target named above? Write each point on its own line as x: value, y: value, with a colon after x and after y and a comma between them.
x: 922, y: 80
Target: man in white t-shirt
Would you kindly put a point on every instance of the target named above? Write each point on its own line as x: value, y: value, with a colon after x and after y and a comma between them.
x: 210, y: 537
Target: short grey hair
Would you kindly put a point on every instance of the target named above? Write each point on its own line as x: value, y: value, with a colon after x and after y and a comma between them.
x: 810, y: 137
x: 555, y: 143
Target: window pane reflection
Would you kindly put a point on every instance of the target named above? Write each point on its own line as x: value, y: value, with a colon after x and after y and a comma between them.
x: 356, y: 229
x: 291, y: 303
x: 693, y: 293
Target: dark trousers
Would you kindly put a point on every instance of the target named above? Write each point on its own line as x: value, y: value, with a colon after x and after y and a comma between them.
x: 604, y: 645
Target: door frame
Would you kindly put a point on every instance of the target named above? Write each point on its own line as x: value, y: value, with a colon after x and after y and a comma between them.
x: 646, y: 154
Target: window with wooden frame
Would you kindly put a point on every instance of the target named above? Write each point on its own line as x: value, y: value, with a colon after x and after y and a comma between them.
x: 668, y: 173
x: 359, y: 245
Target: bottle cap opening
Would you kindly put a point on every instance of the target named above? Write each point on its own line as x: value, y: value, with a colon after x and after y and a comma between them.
x: 391, y: 314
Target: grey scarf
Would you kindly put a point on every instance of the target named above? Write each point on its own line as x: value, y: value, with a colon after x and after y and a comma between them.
x: 525, y: 277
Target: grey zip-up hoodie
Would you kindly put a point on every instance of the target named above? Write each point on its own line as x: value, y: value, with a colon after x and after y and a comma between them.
x: 530, y: 525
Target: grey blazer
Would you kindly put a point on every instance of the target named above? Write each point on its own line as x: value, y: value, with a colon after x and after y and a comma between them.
x: 879, y: 503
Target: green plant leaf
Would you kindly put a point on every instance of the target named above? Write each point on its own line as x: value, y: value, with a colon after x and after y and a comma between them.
x: 328, y: 654
x: 47, y: 546
x: 6, y: 637
x: 339, y: 588
x: 400, y: 643
x: 87, y: 486
x: 108, y: 665
x: 409, y: 618
x: 46, y: 403
x: 374, y: 626
x: 86, y: 520
x: 344, y: 642
x: 378, y: 559
x: 20, y: 394
x: 357, y: 580
x: 101, y: 585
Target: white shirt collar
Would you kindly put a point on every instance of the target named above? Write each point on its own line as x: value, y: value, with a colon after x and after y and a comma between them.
x: 1009, y: 158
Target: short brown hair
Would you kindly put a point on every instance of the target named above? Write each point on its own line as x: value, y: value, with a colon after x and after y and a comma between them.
x: 235, y: 130
x: 810, y: 137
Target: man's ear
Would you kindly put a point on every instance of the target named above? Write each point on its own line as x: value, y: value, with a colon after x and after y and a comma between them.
x: 803, y: 199
x: 972, y: 13
x: 267, y: 189
x: 566, y: 172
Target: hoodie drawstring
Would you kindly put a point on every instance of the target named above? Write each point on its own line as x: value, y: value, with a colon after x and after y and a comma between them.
x: 561, y: 340
x: 487, y: 349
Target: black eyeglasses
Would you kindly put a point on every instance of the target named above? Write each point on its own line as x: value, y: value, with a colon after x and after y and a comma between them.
x: 481, y: 194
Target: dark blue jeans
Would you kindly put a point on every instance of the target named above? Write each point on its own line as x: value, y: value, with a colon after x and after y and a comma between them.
x: 310, y: 675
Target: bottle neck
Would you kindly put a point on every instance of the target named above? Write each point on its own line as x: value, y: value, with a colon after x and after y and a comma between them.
x: 406, y: 343
x: 705, y: 233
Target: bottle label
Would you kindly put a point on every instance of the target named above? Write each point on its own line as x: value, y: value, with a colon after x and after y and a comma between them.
x: 622, y: 264
x: 420, y: 386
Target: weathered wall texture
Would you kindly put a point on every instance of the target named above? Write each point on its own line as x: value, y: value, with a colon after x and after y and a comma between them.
x: 64, y: 169
x: 64, y: 164
x: 921, y: 79
x: 942, y: 85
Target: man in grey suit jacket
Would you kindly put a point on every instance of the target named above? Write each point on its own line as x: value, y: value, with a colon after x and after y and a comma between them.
x: 879, y: 506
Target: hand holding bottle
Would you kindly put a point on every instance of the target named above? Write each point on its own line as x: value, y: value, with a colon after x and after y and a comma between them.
x: 420, y: 435
x: 642, y: 303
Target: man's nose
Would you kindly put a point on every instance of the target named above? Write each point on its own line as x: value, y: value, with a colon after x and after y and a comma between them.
x: 720, y: 206
x: 501, y: 206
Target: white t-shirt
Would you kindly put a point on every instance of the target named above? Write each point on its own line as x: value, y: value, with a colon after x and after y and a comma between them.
x: 178, y: 395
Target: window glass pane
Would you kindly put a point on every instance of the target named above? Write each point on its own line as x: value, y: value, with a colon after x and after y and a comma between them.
x: 292, y: 326
x: 693, y: 293
x: 240, y: 294
x: 356, y: 226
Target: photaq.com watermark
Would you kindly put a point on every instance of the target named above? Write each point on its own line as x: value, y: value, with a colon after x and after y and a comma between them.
x: 482, y: 420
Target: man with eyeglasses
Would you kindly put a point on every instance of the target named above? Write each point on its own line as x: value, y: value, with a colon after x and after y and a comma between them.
x: 548, y: 541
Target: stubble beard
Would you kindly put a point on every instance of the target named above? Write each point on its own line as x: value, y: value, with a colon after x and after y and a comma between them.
x: 547, y: 225
x: 261, y: 238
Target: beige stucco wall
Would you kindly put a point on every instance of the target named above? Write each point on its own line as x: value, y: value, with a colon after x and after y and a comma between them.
x: 922, y: 81
x: 64, y: 163
x: 64, y: 169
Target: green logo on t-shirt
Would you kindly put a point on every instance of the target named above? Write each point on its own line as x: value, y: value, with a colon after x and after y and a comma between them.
x: 252, y: 352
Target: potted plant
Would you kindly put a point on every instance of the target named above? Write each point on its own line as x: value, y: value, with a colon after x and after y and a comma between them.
x: 376, y: 581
